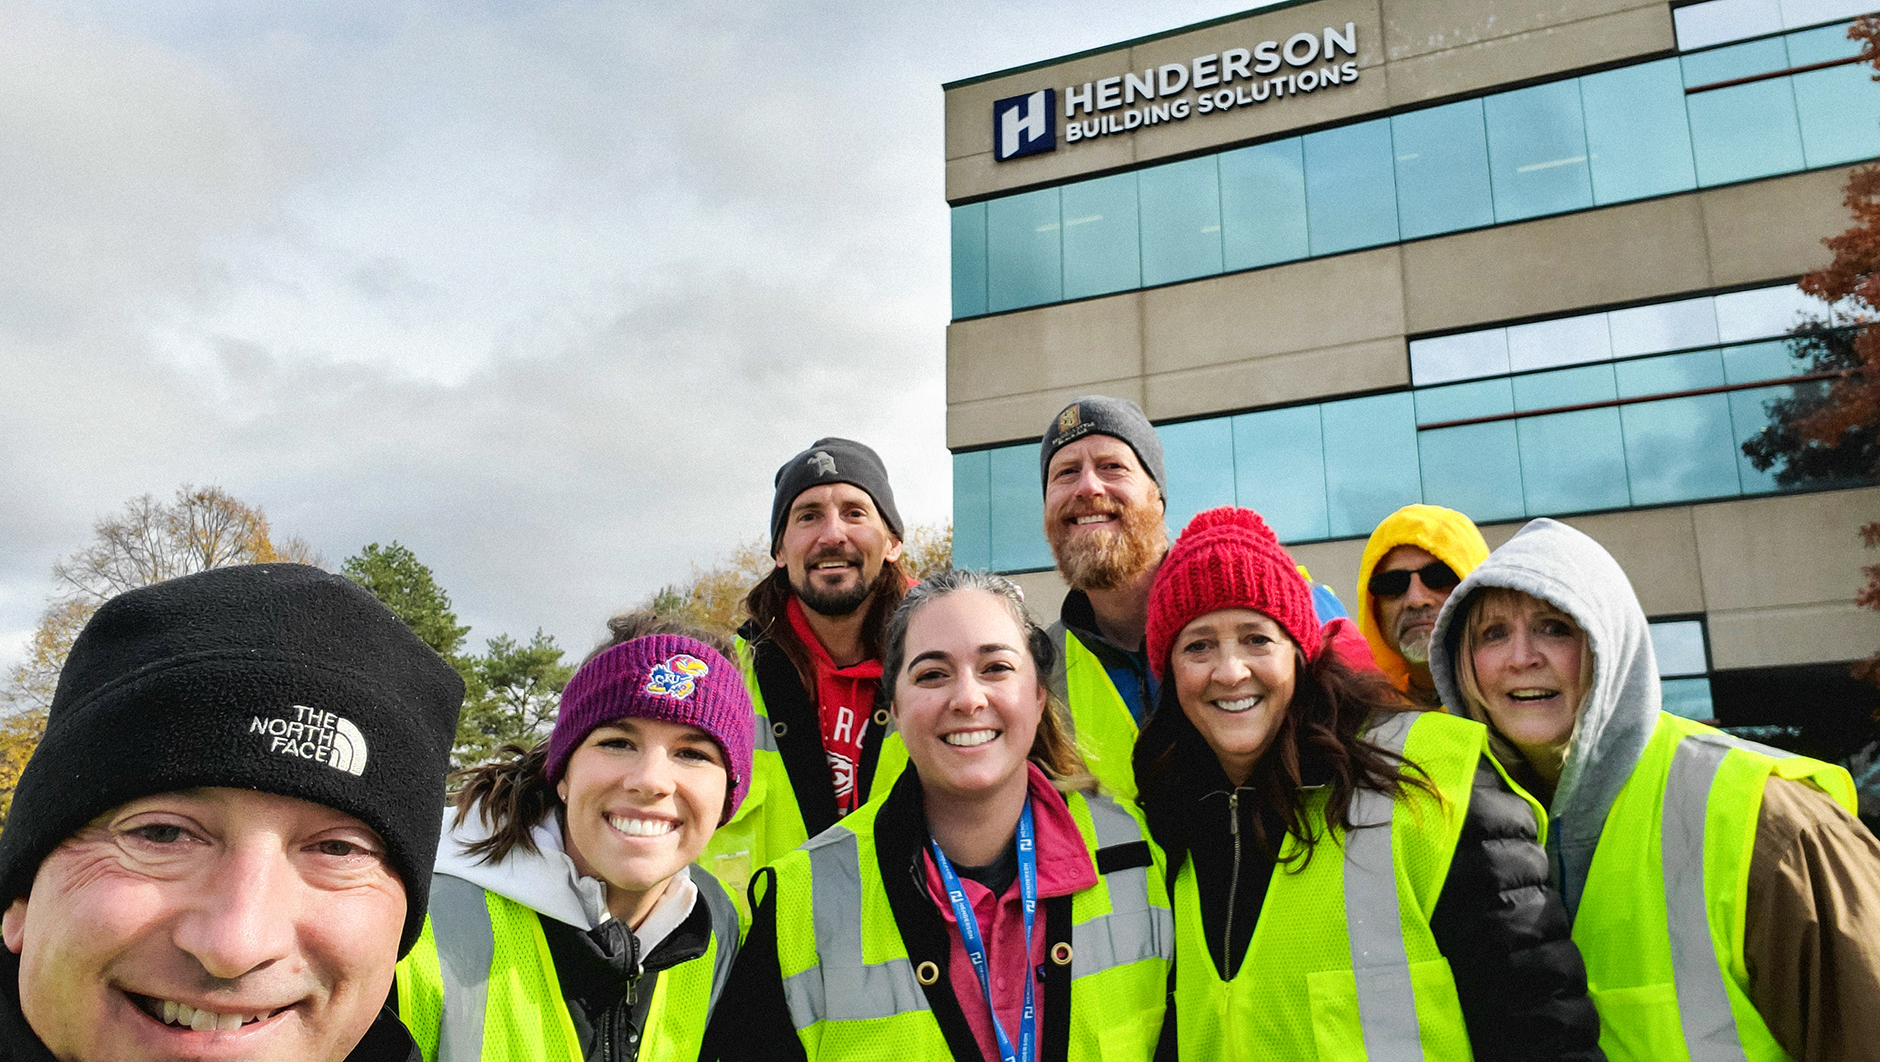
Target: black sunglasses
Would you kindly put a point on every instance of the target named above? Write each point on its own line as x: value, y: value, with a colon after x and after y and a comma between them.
x: 1435, y: 575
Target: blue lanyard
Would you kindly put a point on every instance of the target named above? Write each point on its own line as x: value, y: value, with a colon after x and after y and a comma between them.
x: 976, y: 947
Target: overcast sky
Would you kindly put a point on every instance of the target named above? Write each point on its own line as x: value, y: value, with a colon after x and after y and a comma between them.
x: 545, y: 291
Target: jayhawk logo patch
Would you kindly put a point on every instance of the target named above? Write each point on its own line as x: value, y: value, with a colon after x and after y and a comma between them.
x: 676, y: 676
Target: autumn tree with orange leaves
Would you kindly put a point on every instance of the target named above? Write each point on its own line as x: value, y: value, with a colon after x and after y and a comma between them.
x: 148, y: 542
x: 1847, y: 413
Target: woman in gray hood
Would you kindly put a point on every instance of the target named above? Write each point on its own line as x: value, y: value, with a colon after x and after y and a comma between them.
x: 1726, y: 900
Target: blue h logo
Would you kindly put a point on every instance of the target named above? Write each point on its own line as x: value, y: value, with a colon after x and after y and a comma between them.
x: 1024, y: 125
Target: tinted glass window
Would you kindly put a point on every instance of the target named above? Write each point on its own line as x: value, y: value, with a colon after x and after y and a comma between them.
x: 1701, y: 25
x: 1100, y: 247
x: 1666, y: 326
x: 1572, y: 462
x: 1024, y: 263
x: 1181, y: 221
x: 972, y: 510
x: 1743, y: 131
x: 1679, y: 647
x: 1759, y: 361
x: 1537, y: 151
x: 1637, y: 137
x: 1459, y: 357
x: 1749, y: 415
x: 1475, y: 469
x: 1017, y: 510
x: 1484, y: 398
x: 1567, y: 341
x: 1680, y: 449
x: 1370, y: 460
x: 1763, y: 312
x: 1674, y: 372
x: 1442, y: 169
x: 1351, y: 200
x: 1568, y: 387
x: 1199, y: 460
x: 1689, y: 698
x: 969, y: 260
x: 1839, y: 114
x: 1263, y: 204
x: 1279, y: 471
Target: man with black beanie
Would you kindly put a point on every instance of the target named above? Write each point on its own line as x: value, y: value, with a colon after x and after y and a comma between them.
x: 811, y: 654
x: 223, y: 843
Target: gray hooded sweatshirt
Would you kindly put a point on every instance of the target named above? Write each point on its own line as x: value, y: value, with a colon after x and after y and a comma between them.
x: 1549, y: 560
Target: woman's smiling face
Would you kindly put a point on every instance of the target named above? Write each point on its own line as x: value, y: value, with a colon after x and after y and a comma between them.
x: 1234, y: 671
x: 643, y: 797
x: 968, y: 700
x: 1528, y: 659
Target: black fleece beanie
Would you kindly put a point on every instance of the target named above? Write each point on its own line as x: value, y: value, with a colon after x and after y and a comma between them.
x: 279, y: 678
x: 832, y: 460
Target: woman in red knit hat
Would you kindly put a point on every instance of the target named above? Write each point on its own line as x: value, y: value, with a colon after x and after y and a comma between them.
x: 1351, y: 878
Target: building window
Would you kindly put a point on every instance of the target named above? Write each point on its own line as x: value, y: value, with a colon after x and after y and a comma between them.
x: 1730, y: 112
x: 1683, y: 667
x: 1643, y: 406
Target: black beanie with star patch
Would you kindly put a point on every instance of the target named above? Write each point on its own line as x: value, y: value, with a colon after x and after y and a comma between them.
x: 832, y: 460
x: 279, y: 678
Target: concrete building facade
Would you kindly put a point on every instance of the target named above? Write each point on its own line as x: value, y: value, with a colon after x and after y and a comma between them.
x: 1519, y: 257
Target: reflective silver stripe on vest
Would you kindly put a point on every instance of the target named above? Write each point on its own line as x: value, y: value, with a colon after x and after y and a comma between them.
x: 1703, y: 1003
x: 841, y: 987
x: 724, y: 927
x: 1387, y: 1005
x: 1134, y: 930
x: 460, y: 924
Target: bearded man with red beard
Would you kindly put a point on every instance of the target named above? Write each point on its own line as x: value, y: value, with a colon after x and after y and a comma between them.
x: 1103, y: 515
x: 811, y: 657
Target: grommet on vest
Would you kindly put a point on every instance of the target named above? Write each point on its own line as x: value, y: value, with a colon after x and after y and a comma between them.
x: 881, y: 717
x: 1061, y: 953
x: 927, y: 973
x: 780, y: 729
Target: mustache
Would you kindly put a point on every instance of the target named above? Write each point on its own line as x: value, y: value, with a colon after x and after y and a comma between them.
x: 853, y: 556
x: 1089, y: 507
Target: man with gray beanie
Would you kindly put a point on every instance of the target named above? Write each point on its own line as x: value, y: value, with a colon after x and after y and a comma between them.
x: 1101, y: 464
x: 811, y: 655
x: 223, y: 843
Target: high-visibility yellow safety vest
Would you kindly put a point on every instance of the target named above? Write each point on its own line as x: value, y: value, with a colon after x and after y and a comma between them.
x: 480, y: 984
x: 1371, y: 985
x: 1106, y: 731
x: 769, y: 822
x: 1660, y: 922
x: 853, y: 993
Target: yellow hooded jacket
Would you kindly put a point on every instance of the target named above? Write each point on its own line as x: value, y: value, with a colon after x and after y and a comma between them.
x: 1447, y: 535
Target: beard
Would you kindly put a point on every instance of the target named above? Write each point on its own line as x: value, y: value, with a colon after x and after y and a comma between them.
x: 832, y: 603
x: 1415, y: 646
x: 1112, y: 557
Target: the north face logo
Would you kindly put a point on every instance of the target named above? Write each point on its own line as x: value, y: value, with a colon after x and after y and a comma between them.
x: 315, y: 735
x: 822, y: 463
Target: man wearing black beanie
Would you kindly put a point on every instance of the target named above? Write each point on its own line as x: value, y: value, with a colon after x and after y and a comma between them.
x: 811, y: 655
x: 223, y: 844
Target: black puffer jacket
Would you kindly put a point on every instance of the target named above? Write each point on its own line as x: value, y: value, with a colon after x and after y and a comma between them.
x: 1503, y: 929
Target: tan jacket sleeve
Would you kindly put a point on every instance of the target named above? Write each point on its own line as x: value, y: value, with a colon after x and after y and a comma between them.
x: 1812, y: 939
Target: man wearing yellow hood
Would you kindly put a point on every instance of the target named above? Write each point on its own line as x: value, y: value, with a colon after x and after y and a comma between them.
x: 1414, y: 559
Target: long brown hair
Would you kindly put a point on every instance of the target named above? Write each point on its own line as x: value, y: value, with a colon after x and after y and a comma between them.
x: 1052, y: 747
x: 511, y: 794
x: 768, y: 599
x: 1332, y: 704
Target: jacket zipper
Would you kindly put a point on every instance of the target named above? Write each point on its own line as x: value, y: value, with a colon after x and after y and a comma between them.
x: 1233, y: 883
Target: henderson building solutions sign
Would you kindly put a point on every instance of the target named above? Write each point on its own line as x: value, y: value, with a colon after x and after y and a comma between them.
x: 1210, y: 84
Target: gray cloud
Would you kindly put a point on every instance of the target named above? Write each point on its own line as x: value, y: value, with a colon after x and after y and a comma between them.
x: 544, y: 291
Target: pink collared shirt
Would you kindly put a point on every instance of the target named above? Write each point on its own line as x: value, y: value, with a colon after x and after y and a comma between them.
x: 1064, y: 868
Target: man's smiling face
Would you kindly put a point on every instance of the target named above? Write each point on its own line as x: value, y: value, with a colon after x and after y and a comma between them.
x: 1102, y: 514
x: 209, y: 924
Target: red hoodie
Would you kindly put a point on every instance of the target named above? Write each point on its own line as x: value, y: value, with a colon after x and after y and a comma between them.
x: 844, y: 697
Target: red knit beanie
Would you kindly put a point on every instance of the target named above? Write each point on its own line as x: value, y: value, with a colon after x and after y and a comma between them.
x: 1228, y: 558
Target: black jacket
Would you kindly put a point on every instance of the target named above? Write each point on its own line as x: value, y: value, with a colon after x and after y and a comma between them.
x: 753, y: 1021
x: 605, y: 981
x: 385, y: 1041
x: 1519, y: 977
x: 797, y: 728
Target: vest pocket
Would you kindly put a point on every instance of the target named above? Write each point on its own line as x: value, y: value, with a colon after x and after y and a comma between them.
x: 1434, y: 1029
x: 1640, y: 1022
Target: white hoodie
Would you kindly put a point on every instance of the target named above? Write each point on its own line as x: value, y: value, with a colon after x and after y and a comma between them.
x: 547, y: 882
